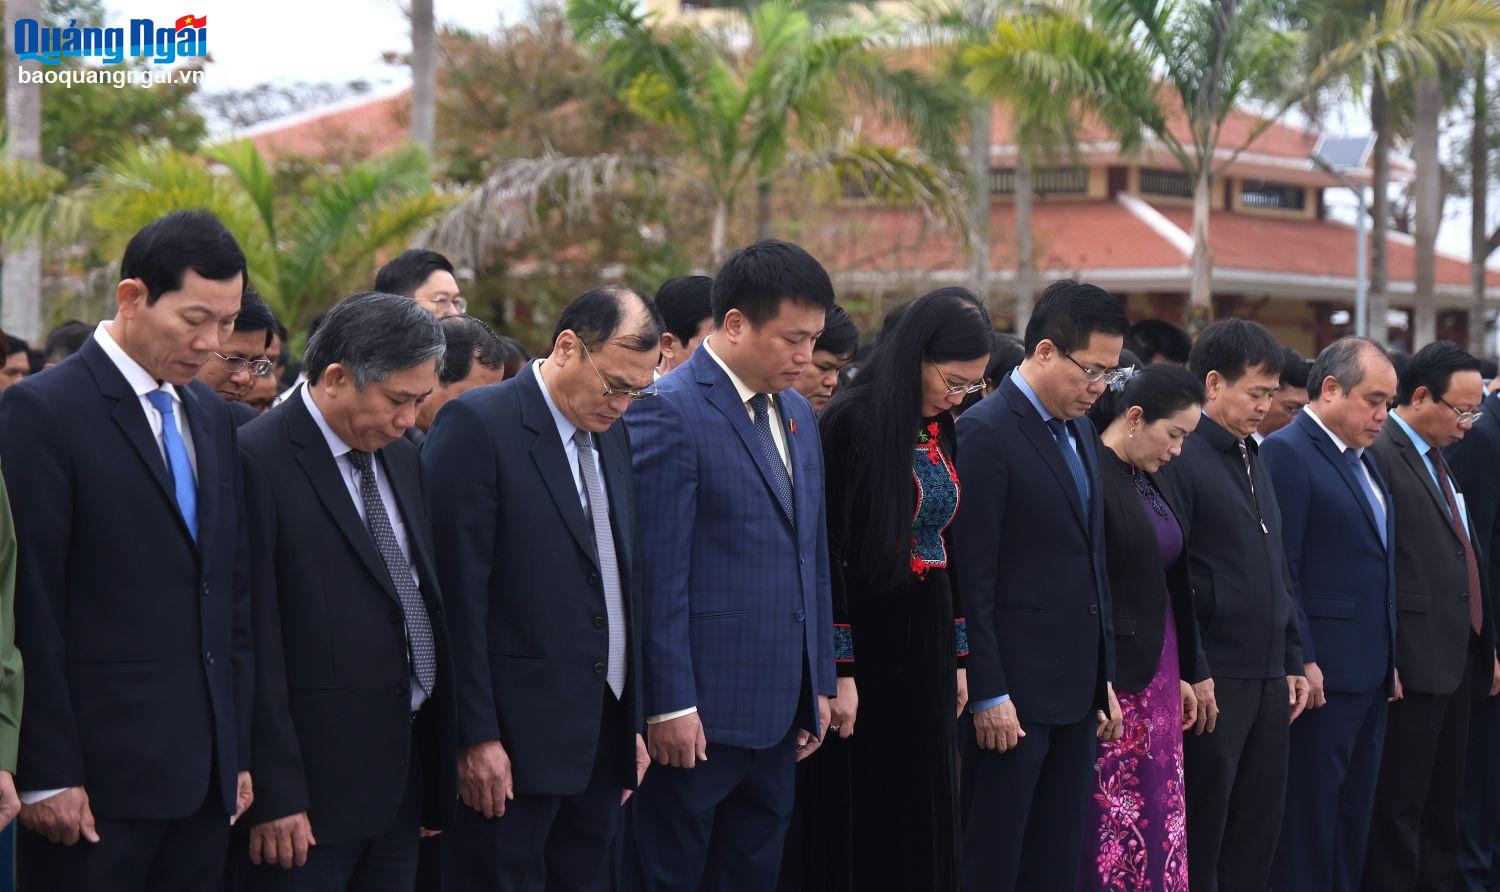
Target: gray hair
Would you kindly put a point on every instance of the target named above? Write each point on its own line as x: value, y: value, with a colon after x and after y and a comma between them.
x: 1341, y: 360
x: 374, y: 335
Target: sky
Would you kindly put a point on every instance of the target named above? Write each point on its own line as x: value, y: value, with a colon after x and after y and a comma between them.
x: 255, y: 41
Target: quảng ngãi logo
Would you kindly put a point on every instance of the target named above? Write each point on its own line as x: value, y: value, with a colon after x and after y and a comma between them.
x: 186, y: 38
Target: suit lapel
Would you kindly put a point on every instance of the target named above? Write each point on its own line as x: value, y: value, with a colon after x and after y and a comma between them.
x: 552, y: 461
x: 1045, y: 444
x: 1340, y: 464
x: 409, y: 502
x: 1418, y: 466
x: 322, y: 472
x: 723, y: 395
x: 208, y: 461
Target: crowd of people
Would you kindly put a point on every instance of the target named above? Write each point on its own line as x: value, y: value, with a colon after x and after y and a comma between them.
x: 712, y: 595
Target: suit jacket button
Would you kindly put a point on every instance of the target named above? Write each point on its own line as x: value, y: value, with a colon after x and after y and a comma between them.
x: 1463, y: 596
x: 593, y: 579
x: 395, y: 617
x: 801, y: 615
x: 401, y: 691
x: 598, y: 668
x: 1093, y: 610
x: 598, y: 622
x: 205, y: 589
x: 209, y: 658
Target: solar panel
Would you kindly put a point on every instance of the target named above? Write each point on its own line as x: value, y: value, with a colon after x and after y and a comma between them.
x: 1345, y: 151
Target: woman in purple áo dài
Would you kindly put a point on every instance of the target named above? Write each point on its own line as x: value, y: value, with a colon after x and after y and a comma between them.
x: 1137, y: 837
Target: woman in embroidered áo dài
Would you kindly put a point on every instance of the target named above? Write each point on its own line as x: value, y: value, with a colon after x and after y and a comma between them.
x: 1137, y: 831
x: 892, y: 492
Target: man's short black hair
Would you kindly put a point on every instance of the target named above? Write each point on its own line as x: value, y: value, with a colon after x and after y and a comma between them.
x: 757, y: 278
x: 1153, y: 339
x: 1294, y: 369
x: 66, y: 339
x: 165, y: 249
x: 14, y: 345
x: 1070, y: 312
x: 255, y: 315
x: 406, y: 273
x: 685, y: 303
x: 1433, y: 367
x: 1233, y: 347
x: 469, y: 341
x: 597, y: 314
x: 840, y: 335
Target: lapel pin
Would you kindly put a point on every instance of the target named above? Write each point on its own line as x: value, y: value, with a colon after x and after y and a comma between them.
x: 793, y: 424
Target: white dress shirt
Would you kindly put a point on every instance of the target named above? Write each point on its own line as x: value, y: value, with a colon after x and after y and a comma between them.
x: 350, y: 475
x: 1344, y: 447
x: 142, y: 382
x: 778, y: 435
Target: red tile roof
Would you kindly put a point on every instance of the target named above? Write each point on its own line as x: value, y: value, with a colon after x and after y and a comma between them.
x: 363, y: 126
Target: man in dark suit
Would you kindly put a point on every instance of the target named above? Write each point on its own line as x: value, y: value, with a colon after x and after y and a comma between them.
x: 354, y: 695
x: 132, y: 607
x: 1445, y: 641
x: 1030, y: 537
x: 1235, y: 758
x: 531, y: 486
x: 475, y: 358
x: 1475, y: 461
x: 241, y: 360
x: 738, y: 630
x: 1338, y: 531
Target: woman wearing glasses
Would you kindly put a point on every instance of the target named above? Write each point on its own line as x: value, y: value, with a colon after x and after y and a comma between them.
x: 1137, y: 823
x: 899, y: 640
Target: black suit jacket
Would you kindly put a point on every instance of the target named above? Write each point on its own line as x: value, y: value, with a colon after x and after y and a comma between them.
x: 1032, y: 579
x: 241, y: 413
x: 136, y: 639
x: 1247, y: 620
x: 333, y: 724
x: 1140, y: 588
x: 526, y: 607
x: 1432, y: 577
x: 1475, y: 461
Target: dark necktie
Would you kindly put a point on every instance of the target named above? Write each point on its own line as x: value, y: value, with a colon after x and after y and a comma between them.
x: 1476, y: 597
x: 609, y: 570
x: 1356, y: 466
x: 423, y: 653
x: 760, y: 404
x: 1059, y: 430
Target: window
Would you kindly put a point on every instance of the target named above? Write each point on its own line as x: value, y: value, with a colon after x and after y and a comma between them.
x: 1048, y: 181
x: 1260, y: 194
x: 1166, y: 182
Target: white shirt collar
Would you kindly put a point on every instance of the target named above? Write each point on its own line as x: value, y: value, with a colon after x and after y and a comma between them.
x: 565, y: 428
x: 336, y: 444
x: 1343, y: 447
x: 140, y: 380
x: 746, y: 394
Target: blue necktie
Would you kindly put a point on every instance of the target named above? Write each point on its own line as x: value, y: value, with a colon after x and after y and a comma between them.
x: 181, y: 470
x: 1059, y: 430
x: 1357, y: 466
x: 760, y: 404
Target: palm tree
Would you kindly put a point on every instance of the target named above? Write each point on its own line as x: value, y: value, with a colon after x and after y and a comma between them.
x: 304, y: 246
x: 741, y: 112
x: 21, y: 277
x: 423, y: 75
x: 1194, y: 60
x: 1428, y: 192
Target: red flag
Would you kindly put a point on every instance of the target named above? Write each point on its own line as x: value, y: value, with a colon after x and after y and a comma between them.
x: 189, y: 21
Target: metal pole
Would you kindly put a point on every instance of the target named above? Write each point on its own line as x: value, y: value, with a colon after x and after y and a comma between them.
x: 1362, y: 271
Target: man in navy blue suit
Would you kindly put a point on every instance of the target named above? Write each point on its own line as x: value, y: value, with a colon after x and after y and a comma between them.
x: 737, y: 622
x: 1030, y: 539
x: 1338, y: 530
x: 132, y: 599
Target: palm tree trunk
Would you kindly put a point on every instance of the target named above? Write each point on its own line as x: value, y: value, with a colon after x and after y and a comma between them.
x: 21, y: 277
x: 718, y: 235
x: 1379, y: 303
x: 1429, y: 201
x: 1200, y: 293
x: 979, y: 204
x: 1479, y: 178
x: 423, y: 75
x: 1025, y: 246
x: 765, y: 211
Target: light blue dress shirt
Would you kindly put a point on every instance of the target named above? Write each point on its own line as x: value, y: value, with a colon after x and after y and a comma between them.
x: 1425, y: 450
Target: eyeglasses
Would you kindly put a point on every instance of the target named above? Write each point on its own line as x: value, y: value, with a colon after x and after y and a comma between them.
x: 611, y: 392
x: 1463, y: 417
x: 236, y: 364
x: 442, y: 305
x: 1094, y: 376
x: 962, y: 389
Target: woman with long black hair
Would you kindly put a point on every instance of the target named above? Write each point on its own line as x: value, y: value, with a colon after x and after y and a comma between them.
x: 891, y: 493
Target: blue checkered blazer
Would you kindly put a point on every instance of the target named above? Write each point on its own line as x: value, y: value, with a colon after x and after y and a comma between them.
x: 734, y: 591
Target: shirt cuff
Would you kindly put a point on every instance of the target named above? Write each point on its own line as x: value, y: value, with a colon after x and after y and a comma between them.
x: 34, y: 796
x: 991, y: 703
x: 668, y: 716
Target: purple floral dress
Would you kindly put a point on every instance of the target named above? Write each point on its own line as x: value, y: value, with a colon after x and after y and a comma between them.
x: 1137, y: 830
